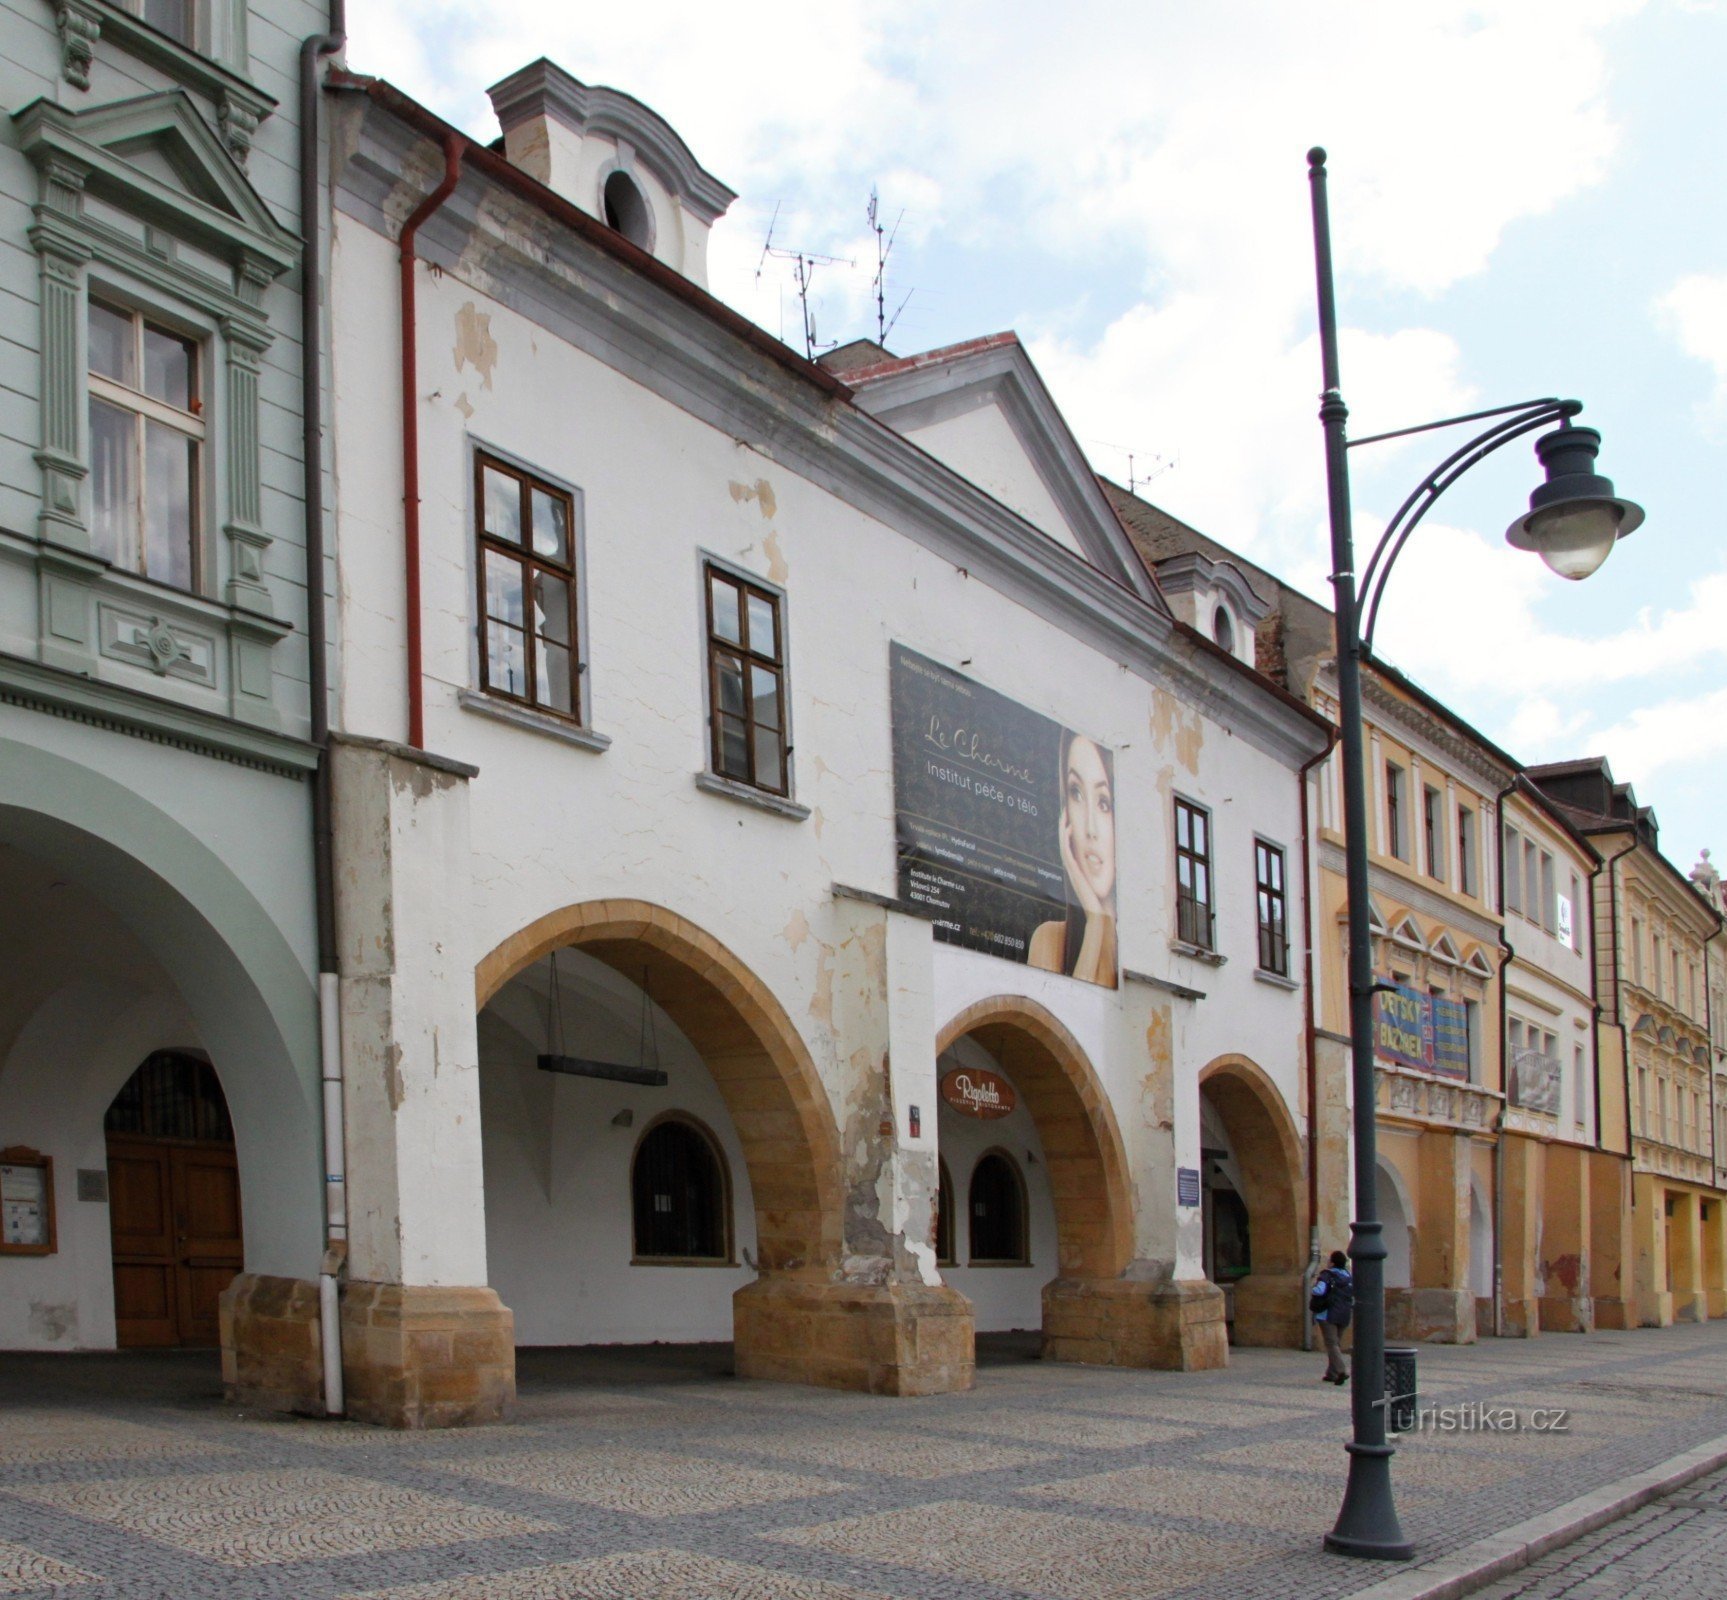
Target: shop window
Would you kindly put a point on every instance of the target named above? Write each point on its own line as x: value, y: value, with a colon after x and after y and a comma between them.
x: 746, y: 681
x: 997, y: 1212
x: 944, y: 1251
x: 527, y: 542
x: 1193, y: 889
x: 679, y: 1195
x: 1273, y: 907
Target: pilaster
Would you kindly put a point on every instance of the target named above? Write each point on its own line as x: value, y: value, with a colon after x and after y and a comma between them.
x: 1520, y: 1217
x: 1654, y: 1296
x: 1612, y: 1250
x: 1567, y: 1305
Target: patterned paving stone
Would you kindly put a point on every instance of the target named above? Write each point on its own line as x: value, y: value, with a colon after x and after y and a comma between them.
x: 1071, y: 1430
x: 907, y: 1455
x: 45, y: 1435
x: 1325, y: 1460
x: 1046, y: 1553
x: 245, y: 1518
x: 647, y: 1483
x: 1205, y: 1414
x: 636, y: 1575
x: 22, y: 1568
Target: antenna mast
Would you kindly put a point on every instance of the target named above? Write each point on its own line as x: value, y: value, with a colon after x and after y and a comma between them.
x: 884, y: 240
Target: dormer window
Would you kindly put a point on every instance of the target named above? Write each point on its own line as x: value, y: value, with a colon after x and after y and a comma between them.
x: 1223, y: 629
x: 626, y: 210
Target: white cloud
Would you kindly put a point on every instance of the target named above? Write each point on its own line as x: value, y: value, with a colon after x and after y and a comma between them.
x: 1695, y: 311
x: 1685, y: 732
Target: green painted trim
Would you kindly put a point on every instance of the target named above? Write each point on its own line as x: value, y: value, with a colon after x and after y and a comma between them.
x: 241, y: 228
x: 102, y: 705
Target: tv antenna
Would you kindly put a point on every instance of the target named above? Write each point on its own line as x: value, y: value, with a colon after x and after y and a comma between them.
x: 884, y: 239
x: 1137, y: 480
x: 804, y: 267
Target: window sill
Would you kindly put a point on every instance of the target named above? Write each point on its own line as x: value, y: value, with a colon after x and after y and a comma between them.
x: 1276, y: 979
x: 978, y: 1266
x: 679, y: 1261
x: 730, y: 789
x: 534, y: 721
x: 1197, y: 952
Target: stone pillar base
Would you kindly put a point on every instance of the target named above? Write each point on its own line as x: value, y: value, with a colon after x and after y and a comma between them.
x: 1270, y: 1310
x: 1123, y: 1322
x: 1522, y: 1318
x: 272, y: 1348
x: 1612, y: 1312
x: 1690, y: 1306
x: 881, y: 1338
x: 1567, y: 1314
x: 1716, y: 1302
x: 427, y: 1358
x: 1654, y: 1309
x: 1432, y: 1316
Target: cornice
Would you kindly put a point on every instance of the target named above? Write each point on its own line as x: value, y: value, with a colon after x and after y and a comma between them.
x: 1468, y: 755
x: 1417, y: 896
x: 516, y: 254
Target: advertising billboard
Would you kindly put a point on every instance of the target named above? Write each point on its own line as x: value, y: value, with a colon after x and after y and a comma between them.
x: 1424, y: 1031
x: 1005, y: 822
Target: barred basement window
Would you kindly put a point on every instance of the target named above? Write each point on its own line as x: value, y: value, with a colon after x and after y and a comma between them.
x: 746, y: 681
x: 998, y: 1231
x: 527, y: 553
x: 1193, y: 898
x: 146, y: 446
x: 944, y: 1253
x: 680, y: 1195
x: 1273, y: 908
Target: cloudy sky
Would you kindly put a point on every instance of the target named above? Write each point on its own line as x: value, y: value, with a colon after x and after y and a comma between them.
x: 1526, y: 198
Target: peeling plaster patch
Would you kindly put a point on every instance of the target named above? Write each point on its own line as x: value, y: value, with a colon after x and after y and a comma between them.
x: 395, y: 1086
x: 51, y: 1322
x: 797, y: 930
x: 761, y: 491
x: 1173, y: 722
x: 465, y: 406
x: 818, y: 821
x: 1157, y: 1090
x: 475, y: 345
x: 822, y: 1000
x: 778, y: 571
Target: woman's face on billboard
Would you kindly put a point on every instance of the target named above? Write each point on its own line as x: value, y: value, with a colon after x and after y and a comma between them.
x: 1090, y: 815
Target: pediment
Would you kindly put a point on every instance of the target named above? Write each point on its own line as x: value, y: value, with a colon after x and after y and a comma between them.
x: 1476, y: 961
x: 982, y: 409
x: 1445, y: 950
x: 1405, y: 933
x: 156, y: 157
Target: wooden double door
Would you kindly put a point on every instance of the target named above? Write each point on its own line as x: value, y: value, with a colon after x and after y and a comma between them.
x: 174, y: 1210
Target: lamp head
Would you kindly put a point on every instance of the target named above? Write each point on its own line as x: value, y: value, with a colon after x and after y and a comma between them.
x: 1574, y: 518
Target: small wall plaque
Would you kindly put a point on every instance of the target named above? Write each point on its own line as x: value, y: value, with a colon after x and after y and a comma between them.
x: 1187, y: 1186
x: 93, y: 1184
x: 26, y: 1202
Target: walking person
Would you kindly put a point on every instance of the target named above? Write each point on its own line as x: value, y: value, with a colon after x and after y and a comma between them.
x: 1332, y: 1305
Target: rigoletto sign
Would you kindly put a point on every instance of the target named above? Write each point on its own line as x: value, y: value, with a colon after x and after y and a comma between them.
x: 1005, y: 822
x: 1425, y: 1031
x: 978, y: 1092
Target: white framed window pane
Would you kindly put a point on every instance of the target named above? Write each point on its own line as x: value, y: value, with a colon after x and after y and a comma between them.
x: 503, y: 590
x: 114, y: 483
x: 734, y: 749
x: 730, y: 673
x: 769, y: 773
x: 551, y: 526
x: 111, y: 346
x: 554, y: 686
x: 170, y: 368
x: 764, y: 636
x: 170, y: 499
x: 172, y: 17
x: 552, y: 608
x: 503, y: 510
x: 506, y: 658
x: 724, y: 599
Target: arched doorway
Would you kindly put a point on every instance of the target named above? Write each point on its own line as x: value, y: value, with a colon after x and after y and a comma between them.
x: 173, y: 1202
x: 1256, y: 1212
x: 733, y: 1063
x: 1083, y: 1172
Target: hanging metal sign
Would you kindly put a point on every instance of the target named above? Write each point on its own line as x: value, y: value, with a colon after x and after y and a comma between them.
x: 978, y: 1092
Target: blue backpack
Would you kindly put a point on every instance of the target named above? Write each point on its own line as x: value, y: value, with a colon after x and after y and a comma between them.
x: 1333, y: 1297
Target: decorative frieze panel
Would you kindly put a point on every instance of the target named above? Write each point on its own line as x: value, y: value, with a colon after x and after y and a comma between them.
x: 1652, y: 1156
x: 146, y: 638
x: 1437, y: 1102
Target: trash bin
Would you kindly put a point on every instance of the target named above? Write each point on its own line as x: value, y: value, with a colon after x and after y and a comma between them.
x: 1400, y: 1397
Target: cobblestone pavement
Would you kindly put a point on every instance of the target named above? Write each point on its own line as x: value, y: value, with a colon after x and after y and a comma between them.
x: 1673, y: 1549
x: 654, y: 1475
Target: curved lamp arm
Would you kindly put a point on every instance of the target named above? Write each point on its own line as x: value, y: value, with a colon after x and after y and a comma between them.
x: 1514, y: 421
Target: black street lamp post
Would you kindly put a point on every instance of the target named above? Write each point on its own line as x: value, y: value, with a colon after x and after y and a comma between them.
x: 1573, y: 522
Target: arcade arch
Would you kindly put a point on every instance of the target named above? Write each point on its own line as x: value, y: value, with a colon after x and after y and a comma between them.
x: 1258, y: 1160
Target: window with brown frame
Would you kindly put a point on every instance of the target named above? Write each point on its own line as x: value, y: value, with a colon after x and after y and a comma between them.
x: 746, y: 681
x: 1193, y: 900
x: 1273, y: 906
x: 526, y: 532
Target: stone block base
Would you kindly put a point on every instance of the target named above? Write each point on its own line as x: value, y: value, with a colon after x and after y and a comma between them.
x: 1715, y: 1301
x: 1690, y: 1307
x: 1121, y: 1322
x: 427, y: 1358
x: 1270, y: 1310
x: 272, y: 1347
x: 1434, y: 1316
x: 1522, y: 1319
x: 1654, y: 1309
x: 1567, y: 1314
x: 892, y: 1338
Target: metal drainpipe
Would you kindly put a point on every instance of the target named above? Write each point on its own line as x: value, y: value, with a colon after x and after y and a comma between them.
x: 1709, y: 1048
x: 453, y: 146
x: 1595, y: 1009
x: 1506, y: 953
x: 312, y: 52
x: 1311, y: 1273
x: 1619, y: 1019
